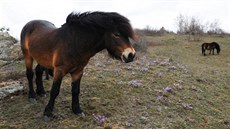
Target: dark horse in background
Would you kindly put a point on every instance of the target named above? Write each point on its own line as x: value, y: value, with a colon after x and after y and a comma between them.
x: 68, y: 49
x: 210, y: 46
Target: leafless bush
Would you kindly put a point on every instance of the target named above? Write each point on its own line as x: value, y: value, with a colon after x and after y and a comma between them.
x: 193, y: 27
x: 149, y: 31
x: 189, y: 26
x: 213, y: 28
x: 140, y: 43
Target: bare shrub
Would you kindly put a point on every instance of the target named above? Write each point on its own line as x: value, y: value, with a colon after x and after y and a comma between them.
x: 149, y: 31
x: 187, y: 25
x: 193, y: 27
x: 214, y: 28
x: 140, y: 43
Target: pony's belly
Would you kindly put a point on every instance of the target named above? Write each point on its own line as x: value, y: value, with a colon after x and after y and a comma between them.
x: 43, y: 59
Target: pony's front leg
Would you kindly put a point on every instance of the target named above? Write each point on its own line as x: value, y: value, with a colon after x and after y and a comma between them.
x: 58, y: 75
x: 76, y: 79
x: 204, y: 53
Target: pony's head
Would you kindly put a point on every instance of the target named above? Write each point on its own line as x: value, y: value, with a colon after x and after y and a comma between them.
x: 119, y: 47
x: 217, y: 46
x: 114, y: 29
x: 218, y: 50
x: 118, y: 38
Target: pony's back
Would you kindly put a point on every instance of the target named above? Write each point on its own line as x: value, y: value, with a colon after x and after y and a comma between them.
x: 30, y: 27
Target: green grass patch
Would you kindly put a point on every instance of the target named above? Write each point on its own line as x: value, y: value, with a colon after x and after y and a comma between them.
x: 170, y: 86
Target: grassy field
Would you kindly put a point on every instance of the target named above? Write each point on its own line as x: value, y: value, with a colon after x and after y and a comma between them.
x: 170, y: 86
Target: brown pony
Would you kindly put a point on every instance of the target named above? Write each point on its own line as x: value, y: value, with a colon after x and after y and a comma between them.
x: 68, y: 49
x: 210, y: 46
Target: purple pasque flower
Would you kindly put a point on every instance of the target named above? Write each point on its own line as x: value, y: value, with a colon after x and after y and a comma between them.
x: 172, y: 67
x: 159, y: 74
x: 167, y: 89
x: 160, y: 97
x: 134, y: 83
x: 99, y: 119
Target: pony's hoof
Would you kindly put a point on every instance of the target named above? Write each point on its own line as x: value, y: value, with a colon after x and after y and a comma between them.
x: 81, y: 114
x: 47, y: 118
x: 32, y: 100
x: 43, y: 95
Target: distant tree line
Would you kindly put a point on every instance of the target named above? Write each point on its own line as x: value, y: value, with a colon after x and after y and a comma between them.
x: 149, y: 31
x: 193, y: 26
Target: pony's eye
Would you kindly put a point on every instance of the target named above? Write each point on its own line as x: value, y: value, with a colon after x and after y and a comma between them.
x: 117, y: 35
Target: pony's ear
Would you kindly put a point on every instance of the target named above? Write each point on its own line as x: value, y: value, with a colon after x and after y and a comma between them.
x: 70, y: 18
x: 74, y: 17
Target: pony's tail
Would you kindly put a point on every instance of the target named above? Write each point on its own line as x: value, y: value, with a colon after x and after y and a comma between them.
x: 22, y: 40
x: 27, y: 29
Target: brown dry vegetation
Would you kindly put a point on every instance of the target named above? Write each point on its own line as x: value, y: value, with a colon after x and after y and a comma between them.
x: 171, y: 85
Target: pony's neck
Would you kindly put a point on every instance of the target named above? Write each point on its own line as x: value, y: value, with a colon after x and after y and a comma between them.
x: 92, y: 43
x: 84, y: 41
x: 97, y: 46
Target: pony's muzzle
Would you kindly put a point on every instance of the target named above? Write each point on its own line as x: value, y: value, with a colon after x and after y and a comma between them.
x: 128, y: 55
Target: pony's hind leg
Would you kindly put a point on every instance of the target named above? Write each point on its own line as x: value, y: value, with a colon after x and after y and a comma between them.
x: 40, y: 89
x: 47, y: 74
x: 29, y: 75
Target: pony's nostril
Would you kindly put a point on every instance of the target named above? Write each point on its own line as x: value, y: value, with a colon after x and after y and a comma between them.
x: 130, y: 56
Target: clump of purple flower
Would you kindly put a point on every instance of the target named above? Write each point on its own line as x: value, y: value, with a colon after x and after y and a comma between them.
x: 167, y: 89
x: 172, y: 67
x: 181, y: 66
x: 99, y: 64
x: 160, y: 97
x: 164, y: 63
x: 142, y: 69
x: 159, y: 74
x: 134, y: 83
x: 118, y: 70
x: 99, y: 119
x: 187, y: 106
x: 120, y: 83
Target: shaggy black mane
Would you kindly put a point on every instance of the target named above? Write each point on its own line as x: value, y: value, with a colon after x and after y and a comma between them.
x: 107, y: 21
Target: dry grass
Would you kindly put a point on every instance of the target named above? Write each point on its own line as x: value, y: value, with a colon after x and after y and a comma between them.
x: 170, y: 86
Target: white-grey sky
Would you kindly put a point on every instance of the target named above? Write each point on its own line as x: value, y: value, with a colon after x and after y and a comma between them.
x: 154, y: 13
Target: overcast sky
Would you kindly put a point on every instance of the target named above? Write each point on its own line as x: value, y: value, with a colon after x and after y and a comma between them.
x: 154, y: 13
